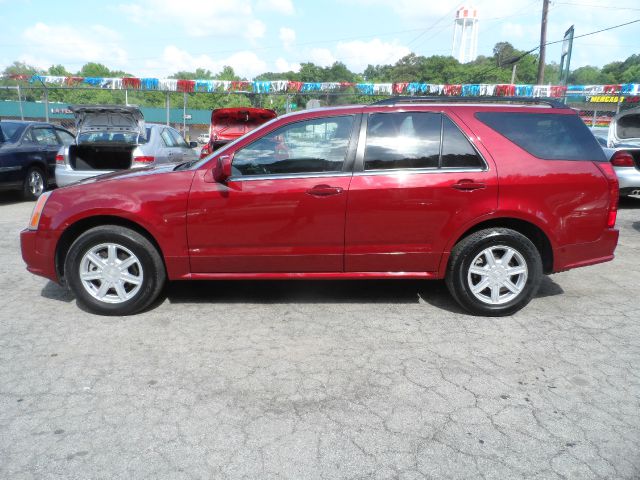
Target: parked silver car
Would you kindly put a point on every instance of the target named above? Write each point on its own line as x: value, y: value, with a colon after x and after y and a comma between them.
x: 621, y: 144
x: 113, y: 137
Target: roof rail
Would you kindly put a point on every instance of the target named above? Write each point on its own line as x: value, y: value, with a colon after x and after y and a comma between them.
x: 553, y: 103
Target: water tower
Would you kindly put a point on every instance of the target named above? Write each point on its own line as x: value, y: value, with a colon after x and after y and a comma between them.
x: 465, y: 35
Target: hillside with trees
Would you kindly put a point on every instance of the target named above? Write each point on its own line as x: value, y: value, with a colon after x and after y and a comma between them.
x: 411, y: 68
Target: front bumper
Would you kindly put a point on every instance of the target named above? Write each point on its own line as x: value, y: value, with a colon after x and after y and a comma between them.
x: 38, y: 252
x: 66, y: 176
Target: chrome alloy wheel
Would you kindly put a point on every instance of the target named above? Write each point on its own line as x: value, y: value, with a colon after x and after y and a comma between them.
x: 111, y: 273
x: 497, y: 275
x: 35, y: 183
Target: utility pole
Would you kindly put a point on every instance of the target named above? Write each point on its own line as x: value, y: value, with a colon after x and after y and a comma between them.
x: 543, y: 41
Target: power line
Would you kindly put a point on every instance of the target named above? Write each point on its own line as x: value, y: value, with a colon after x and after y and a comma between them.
x: 575, y: 4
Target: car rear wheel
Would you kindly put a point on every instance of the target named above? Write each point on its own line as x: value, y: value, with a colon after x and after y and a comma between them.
x: 494, y: 272
x: 34, y: 184
x: 113, y: 270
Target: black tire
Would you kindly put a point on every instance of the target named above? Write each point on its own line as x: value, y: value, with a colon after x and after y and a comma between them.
x: 35, y: 184
x: 152, y: 270
x: 470, y: 249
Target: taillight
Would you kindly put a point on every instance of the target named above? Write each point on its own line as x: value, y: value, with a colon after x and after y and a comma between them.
x: 614, y: 192
x: 206, y: 150
x: 622, y: 159
x: 60, y: 159
x: 143, y: 159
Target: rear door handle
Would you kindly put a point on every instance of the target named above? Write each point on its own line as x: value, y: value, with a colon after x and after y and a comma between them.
x: 324, y: 190
x: 468, y: 185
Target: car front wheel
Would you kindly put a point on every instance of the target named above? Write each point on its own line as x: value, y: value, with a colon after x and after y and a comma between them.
x: 113, y: 270
x: 494, y: 272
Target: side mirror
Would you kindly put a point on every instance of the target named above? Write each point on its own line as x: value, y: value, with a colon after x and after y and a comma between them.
x: 222, y: 170
x: 193, y: 144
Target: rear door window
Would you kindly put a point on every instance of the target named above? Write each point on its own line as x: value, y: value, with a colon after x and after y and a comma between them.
x: 403, y: 140
x: 547, y: 136
x: 44, y: 136
x: 178, y: 140
x: 457, y: 152
x: 167, y: 139
x: 417, y: 140
x: 65, y: 137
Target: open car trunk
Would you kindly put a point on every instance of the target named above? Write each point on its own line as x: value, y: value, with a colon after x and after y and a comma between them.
x: 101, y: 157
x: 230, y: 123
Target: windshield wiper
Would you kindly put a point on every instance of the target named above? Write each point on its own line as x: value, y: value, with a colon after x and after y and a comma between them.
x: 185, y: 165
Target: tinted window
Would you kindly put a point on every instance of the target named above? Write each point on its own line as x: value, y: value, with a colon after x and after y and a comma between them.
x: 457, y: 152
x: 402, y: 140
x: 178, y: 141
x: 44, y: 136
x: 546, y: 135
x: 167, y: 139
x: 10, y: 132
x: 312, y: 146
x: 65, y: 137
x: 108, y: 137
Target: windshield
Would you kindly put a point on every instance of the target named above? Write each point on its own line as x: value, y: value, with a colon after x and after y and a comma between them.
x: 10, y: 131
x: 109, y: 137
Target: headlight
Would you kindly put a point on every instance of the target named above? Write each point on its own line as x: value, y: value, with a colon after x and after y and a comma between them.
x: 37, y: 211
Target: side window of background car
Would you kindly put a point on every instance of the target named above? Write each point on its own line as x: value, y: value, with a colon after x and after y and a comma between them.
x: 457, y: 152
x: 65, y: 137
x: 167, y: 139
x: 311, y: 146
x: 44, y: 136
x: 178, y: 141
x: 403, y: 140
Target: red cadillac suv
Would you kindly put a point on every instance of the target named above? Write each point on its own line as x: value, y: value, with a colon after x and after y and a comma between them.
x: 489, y: 195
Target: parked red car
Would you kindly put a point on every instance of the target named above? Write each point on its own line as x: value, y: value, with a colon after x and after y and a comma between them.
x: 486, y: 196
x: 227, y: 124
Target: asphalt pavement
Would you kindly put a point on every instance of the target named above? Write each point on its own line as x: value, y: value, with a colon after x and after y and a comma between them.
x: 322, y: 380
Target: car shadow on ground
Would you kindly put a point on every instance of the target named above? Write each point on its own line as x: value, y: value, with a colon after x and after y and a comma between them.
x: 10, y: 198
x: 433, y: 292
x: 53, y: 291
x: 629, y: 203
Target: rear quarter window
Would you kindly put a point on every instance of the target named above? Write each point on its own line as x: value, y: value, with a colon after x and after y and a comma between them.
x: 547, y: 136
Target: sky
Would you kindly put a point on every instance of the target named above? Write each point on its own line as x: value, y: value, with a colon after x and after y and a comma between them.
x: 156, y: 38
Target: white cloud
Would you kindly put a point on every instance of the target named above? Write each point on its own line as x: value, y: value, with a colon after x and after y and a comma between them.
x: 287, y: 37
x: 283, y: 66
x: 284, y: 7
x: 46, y: 45
x: 245, y: 63
x: 202, y: 18
x: 358, y: 54
x: 322, y: 57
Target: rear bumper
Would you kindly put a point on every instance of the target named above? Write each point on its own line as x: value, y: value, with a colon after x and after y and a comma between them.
x: 66, y: 176
x: 584, y: 254
x: 628, y: 179
x: 38, y: 252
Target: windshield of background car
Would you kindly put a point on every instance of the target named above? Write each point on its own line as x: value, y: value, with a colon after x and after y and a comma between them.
x: 10, y: 131
x: 108, y: 137
x: 547, y: 136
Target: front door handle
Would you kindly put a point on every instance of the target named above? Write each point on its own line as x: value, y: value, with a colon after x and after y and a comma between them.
x: 467, y: 185
x: 324, y: 190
